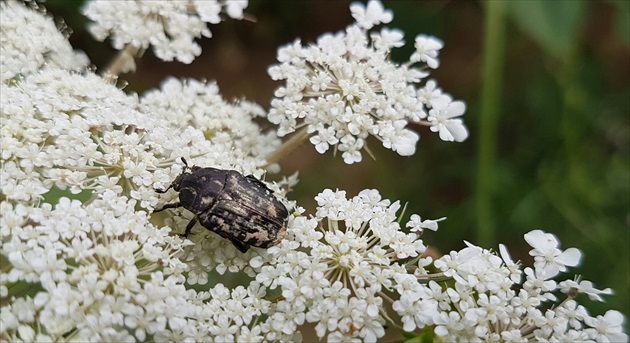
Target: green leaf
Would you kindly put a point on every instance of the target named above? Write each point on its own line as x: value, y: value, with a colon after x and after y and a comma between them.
x: 554, y: 24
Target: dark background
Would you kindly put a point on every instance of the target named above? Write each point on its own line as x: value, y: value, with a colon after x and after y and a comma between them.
x: 562, y: 129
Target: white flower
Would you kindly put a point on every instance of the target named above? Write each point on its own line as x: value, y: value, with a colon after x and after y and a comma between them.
x: 107, y: 273
x: 30, y: 40
x: 389, y: 38
x: 249, y: 335
x: 442, y: 119
x: 58, y: 112
x: 537, y: 280
x: 403, y: 142
x: 607, y: 328
x: 427, y: 50
x: 234, y: 8
x: 209, y: 11
x: 431, y: 95
x: 170, y: 27
x: 372, y: 14
x: 574, y: 313
x: 447, y: 322
x: 223, y: 330
x: 584, y: 286
x: 324, y: 138
x: 416, y: 308
x: 418, y: 225
x: 514, y: 268
x: 546, y: 254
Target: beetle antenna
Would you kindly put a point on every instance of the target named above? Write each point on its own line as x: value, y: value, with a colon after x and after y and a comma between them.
x: 185, y: 164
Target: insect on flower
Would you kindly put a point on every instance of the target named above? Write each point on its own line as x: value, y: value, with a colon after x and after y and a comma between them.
x: 239, y: 208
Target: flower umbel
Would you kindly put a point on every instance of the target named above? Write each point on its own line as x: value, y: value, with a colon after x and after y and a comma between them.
x: 338, y: 268
x: 170, y: 27
x: 489, y: 302
x: 81, y: 133
x: 45, y: 46
x: 96, y: 265
x: 345, y: 88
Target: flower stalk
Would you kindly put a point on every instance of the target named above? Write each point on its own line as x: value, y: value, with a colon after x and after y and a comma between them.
x: 124, y: 62
x: 287, y: 147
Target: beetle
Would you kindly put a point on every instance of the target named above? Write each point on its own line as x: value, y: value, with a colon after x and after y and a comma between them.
x: 237, y: 207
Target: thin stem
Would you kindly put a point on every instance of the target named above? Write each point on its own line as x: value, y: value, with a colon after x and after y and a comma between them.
x: 120, y: 63
x: 288, y: 146
x: 388, y: 318
x: 438, y: 277
x: 386, y: 297
x: 493, y: 56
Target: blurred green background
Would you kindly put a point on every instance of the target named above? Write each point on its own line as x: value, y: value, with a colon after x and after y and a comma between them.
x: 547, y: 87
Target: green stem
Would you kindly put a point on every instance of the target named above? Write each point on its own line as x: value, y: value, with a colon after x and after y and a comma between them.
x: 493, y: 56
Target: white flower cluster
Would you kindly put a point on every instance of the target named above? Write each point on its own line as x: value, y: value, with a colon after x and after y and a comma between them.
x: 170, y: 27
x: 343, y: 268
x: 200, y: 105
x: 103, y: 273
x: 345, y: 88
x: 45, y: 45
x: 487, y: 301
x: 339, y: 268
x: 100, y: 267
x: 77, y: 131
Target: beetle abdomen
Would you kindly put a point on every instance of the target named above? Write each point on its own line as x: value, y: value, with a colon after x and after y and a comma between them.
x: 234, y: 221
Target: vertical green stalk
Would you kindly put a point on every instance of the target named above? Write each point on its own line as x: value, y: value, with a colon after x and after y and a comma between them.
x: 493, y: 54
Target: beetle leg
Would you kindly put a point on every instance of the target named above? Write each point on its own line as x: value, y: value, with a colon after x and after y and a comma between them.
x: 258, y: 182
x: 242, y: 247
x: 163, y: 190
x: 190, y: 226
x: 173, y: 205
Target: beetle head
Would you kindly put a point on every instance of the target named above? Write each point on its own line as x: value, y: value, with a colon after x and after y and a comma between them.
x: 177, y: 183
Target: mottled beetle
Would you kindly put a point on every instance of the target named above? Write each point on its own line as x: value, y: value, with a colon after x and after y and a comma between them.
x: 239, y: 208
